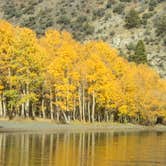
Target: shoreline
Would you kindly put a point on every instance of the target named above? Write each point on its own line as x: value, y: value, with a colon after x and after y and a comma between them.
x: 53, y: 127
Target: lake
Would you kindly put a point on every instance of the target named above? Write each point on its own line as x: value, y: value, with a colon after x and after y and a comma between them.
x: 83, y: 149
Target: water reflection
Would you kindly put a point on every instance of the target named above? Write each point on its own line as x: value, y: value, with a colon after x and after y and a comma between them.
x: 83, y: 149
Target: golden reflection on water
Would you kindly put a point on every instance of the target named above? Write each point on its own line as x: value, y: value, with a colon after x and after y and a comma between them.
x: 83, y: 149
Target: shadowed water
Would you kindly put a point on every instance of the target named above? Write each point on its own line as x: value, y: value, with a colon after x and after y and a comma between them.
x: 83, y: 149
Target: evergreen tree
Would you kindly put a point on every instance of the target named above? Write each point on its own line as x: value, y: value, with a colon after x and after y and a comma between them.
x: 140, y: 53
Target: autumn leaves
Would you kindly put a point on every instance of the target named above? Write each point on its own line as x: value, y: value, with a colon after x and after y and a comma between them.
x: 59, y: 78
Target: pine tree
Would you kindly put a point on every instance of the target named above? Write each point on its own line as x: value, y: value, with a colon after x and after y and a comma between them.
x: 140, y: 55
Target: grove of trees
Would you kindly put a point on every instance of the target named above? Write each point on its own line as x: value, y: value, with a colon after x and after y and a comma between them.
x: 58, y: 78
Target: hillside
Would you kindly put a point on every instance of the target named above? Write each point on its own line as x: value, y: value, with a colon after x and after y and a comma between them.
x: 109, y: 20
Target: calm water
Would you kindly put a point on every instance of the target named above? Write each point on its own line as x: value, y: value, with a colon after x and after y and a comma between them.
x: 83, y: 149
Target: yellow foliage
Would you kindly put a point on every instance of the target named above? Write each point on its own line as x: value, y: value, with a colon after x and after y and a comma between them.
x: 72, y: 71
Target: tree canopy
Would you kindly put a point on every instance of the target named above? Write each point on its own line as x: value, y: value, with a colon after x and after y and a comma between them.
x: 59, y: 78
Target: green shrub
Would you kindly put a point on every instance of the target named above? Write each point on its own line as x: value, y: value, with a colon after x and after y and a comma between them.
x: 82, y: 19
x: 160, y: 24
x: 125, y: 0
x: 112, y: 33
x: 132, y: 19
x: 131, y: 46
x: 152, y: 4
x: 145, y: 18
x: 147, y: 15
x: 99, y: 12
x: 109, y: 4
x: 107, y: 16
x: 119, y: 8
x: 164, y: 41
x: 88, y: 29
x: 40, y: 22
x: 9, y: 10
x: 63, y: 20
